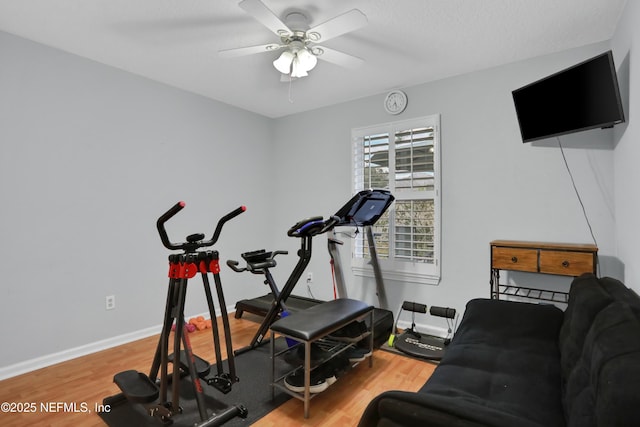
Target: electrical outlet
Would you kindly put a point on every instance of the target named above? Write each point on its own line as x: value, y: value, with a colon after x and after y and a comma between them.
x: 110, y: 302
x: 309, y: 277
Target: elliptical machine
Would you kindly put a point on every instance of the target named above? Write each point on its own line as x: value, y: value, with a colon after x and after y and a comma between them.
x: 151, y: 391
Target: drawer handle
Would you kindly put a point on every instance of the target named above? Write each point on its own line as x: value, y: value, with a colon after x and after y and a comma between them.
x: 514, y: 259
x: 565, y: 264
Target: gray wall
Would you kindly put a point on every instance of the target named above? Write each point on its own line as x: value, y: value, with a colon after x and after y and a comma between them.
x: 90, y: 156
x: 626, y: 47
x: 493, y: 185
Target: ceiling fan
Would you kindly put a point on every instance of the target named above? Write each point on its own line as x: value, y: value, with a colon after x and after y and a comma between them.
x: 299, y: 42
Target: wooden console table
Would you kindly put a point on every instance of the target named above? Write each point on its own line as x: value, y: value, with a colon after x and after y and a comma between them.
x: 563, y: 259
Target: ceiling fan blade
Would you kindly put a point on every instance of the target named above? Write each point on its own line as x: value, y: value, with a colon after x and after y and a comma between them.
x: 339, y: 58
x: 341, y: 24
x: 249, y: 50
x: 265, y: 16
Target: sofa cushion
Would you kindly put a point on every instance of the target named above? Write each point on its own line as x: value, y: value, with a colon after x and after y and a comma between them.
x: 502, y: 367
x: 601, y: 390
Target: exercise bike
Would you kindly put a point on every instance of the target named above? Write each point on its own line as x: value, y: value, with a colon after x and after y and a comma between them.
x: 260, y: 261
x: 152, y: 391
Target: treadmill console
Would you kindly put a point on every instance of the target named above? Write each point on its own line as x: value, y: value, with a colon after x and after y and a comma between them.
x: 365, y: 208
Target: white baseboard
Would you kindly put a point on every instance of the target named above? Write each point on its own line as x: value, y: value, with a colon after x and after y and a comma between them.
x: 62, y: 356
x: 83, y: 350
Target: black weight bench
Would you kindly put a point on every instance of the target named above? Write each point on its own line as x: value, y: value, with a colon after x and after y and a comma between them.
x: 312, y: 325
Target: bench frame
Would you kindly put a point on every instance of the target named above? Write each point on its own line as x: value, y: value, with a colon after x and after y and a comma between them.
x: 306, y: 340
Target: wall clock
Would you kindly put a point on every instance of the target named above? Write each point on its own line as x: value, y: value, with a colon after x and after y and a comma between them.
x: 395, y: 102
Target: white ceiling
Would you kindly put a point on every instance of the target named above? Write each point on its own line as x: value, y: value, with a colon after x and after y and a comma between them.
x: 406, y: 42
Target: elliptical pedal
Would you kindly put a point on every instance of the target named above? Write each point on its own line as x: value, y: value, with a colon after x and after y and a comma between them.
x: 222, y: 382
x: 136, y: 386
x: 202, y: 366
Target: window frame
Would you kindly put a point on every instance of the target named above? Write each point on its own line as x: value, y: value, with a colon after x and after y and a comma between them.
x: 392, y: 268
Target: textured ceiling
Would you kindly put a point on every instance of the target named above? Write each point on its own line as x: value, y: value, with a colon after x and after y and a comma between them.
x: 406, y: 42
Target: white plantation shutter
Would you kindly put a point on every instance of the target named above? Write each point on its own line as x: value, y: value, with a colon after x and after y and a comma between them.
x: 401, y: 157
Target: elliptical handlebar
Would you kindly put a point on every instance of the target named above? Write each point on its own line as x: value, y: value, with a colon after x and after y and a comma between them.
x: 221, y: 222
x: 164, y: 218
x: 190, y: 244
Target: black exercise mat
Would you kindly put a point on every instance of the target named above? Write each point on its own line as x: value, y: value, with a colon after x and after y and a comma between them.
x: 253, y: 391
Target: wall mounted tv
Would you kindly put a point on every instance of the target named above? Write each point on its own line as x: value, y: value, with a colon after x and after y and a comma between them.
x: 585, y: 96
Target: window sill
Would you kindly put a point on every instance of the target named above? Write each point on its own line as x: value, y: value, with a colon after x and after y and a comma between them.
x: 409, y: 275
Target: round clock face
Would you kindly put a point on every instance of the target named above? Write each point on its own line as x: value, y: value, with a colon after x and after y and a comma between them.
x: 395, y: 102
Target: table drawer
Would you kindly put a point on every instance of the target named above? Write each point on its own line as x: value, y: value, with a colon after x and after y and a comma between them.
x: 514, y: 259
x: 566, y: 263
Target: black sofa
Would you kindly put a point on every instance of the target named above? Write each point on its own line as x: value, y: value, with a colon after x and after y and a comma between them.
x: 518, y: 364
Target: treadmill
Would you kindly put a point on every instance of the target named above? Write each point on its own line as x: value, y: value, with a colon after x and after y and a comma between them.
x: 363, y: 210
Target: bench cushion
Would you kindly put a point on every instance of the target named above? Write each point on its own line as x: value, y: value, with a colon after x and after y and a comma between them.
x: 322, y: 319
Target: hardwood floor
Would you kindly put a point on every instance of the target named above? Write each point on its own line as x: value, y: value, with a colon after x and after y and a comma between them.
x: 85, y: 381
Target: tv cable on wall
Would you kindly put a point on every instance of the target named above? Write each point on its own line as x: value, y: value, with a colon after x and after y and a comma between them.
x: 575, y: 188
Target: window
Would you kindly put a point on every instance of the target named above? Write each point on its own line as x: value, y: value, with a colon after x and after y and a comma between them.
x: 403, y: 158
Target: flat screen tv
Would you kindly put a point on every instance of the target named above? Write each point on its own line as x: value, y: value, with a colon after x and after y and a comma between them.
x: 585, y: 96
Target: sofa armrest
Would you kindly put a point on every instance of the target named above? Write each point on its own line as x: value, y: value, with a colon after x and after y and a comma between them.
x: 408, y: 409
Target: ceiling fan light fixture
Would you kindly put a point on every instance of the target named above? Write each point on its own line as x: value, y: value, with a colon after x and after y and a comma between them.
x: 297, y: 69
x: 306, y: 59
x: 284, y: 61
x: 296, y: 62
x: 297, y: 38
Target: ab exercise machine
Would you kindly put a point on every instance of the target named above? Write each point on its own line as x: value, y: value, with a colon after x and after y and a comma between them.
x: 420, y: 345
x: 152, y: 391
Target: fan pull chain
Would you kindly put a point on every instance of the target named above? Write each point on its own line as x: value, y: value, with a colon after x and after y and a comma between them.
x: 290, y: 85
